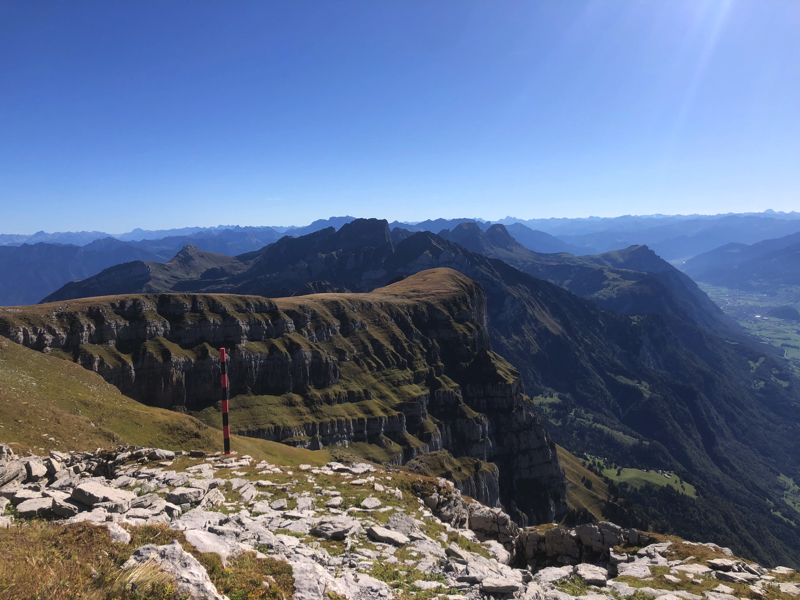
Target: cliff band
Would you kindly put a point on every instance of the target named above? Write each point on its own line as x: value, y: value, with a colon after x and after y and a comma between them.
x: 404, y: 373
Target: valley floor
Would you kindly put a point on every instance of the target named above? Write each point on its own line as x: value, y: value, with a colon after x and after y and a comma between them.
x: 764, y: 316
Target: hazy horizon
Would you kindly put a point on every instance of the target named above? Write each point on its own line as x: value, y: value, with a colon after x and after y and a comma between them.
x: 766, y: 212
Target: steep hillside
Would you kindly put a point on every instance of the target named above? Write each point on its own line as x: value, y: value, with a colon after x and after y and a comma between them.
x: 733, y: 253
x: 539, y: 241
x: 630, y: 281
x: 28, y: 273
x: 189, y: 264
x: 753, y: 269
x: 400, y: 372
x: 51, y: 404
x: 681, y: 238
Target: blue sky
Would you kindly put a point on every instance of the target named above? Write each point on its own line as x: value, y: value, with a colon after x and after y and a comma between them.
x: 115, y: 115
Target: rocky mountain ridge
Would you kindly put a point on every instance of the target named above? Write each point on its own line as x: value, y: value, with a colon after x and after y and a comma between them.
x: 407, y: 369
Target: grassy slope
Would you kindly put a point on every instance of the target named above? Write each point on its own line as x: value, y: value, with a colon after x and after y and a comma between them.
x: 579, y: 496
x: 637, y: 478
x: 43, y: 397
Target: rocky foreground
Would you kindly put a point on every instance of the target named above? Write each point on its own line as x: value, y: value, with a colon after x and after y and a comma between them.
x: 358, y: 531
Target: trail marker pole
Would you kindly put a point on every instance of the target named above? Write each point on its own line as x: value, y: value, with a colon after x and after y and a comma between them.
x: 226, y: 428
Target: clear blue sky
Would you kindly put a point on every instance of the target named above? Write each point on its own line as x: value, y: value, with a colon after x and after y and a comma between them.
x: 115, y: 115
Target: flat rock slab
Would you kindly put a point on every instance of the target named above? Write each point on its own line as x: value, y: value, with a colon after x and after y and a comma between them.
x: 427, y: 585
x: 387, y: 536
x: 67, y: 508
x: 337, y: 528
x: 553, y: 574
x: 457, y: 553
x: 789, y: 588
x: 370, y: 503
x: 721, y: 564
x: 34, y: 507
x: 494, y: 585
x: 718, y: 596
x: 185, y: 495
x: 592, y: 574
x: 305, y: 503
x: 205, y: 541
x: 93, y: 492
x: 694, y: 569
x: 731, y: 577
x: 637, y: 569
x: 335, y: 502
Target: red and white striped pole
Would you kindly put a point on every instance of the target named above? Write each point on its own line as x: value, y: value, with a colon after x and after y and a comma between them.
x: 226, y: 429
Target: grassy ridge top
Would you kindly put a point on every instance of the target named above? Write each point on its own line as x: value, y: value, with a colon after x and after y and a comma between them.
x: 434, y: 286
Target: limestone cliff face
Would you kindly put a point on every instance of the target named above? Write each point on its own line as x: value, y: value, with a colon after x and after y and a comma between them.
x: 407, y: 369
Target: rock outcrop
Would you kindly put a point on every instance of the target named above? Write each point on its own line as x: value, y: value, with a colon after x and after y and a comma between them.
x: 408, y: 368
x: 438, y: 541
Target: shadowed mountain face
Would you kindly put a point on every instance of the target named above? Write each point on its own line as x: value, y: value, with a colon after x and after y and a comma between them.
x: 627, y: 387
x: 765, y: 267
x: 679, y: 238
x: 29, y: 272
x: 630, y: 281
x: 189, y: 264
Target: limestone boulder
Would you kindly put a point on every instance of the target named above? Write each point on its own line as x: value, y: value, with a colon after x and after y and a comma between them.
x: 190, y: 576
x: 592, y: 574
x: 387, y: 536
x: 94, y: 492
x: 35, y: 507
x: 185, y: 495
x: 495, y: 585
x: 336, y: 528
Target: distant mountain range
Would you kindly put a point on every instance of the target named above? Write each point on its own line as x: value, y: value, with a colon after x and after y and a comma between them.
x: 44, y: 262
x: 765, y: 266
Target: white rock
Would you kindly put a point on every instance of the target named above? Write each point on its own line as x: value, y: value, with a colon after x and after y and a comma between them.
x: 387, y: 536
x: 185, y: 495
x: 205, y: 541
x: 693, y: 568
x: 637, y: 569
x: 279, y: 504
x: 335, y: 502
x: 370, y: 503
x: 493, y: 585
x: 34, y: 507
x: 592, y: 574
x: 118, y: 534
x: 93, y: 492
x: 498, y: 552
x: 190, y: 576
x: 336, y: 528
x: 427, y: 585
x: 553, y: 574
